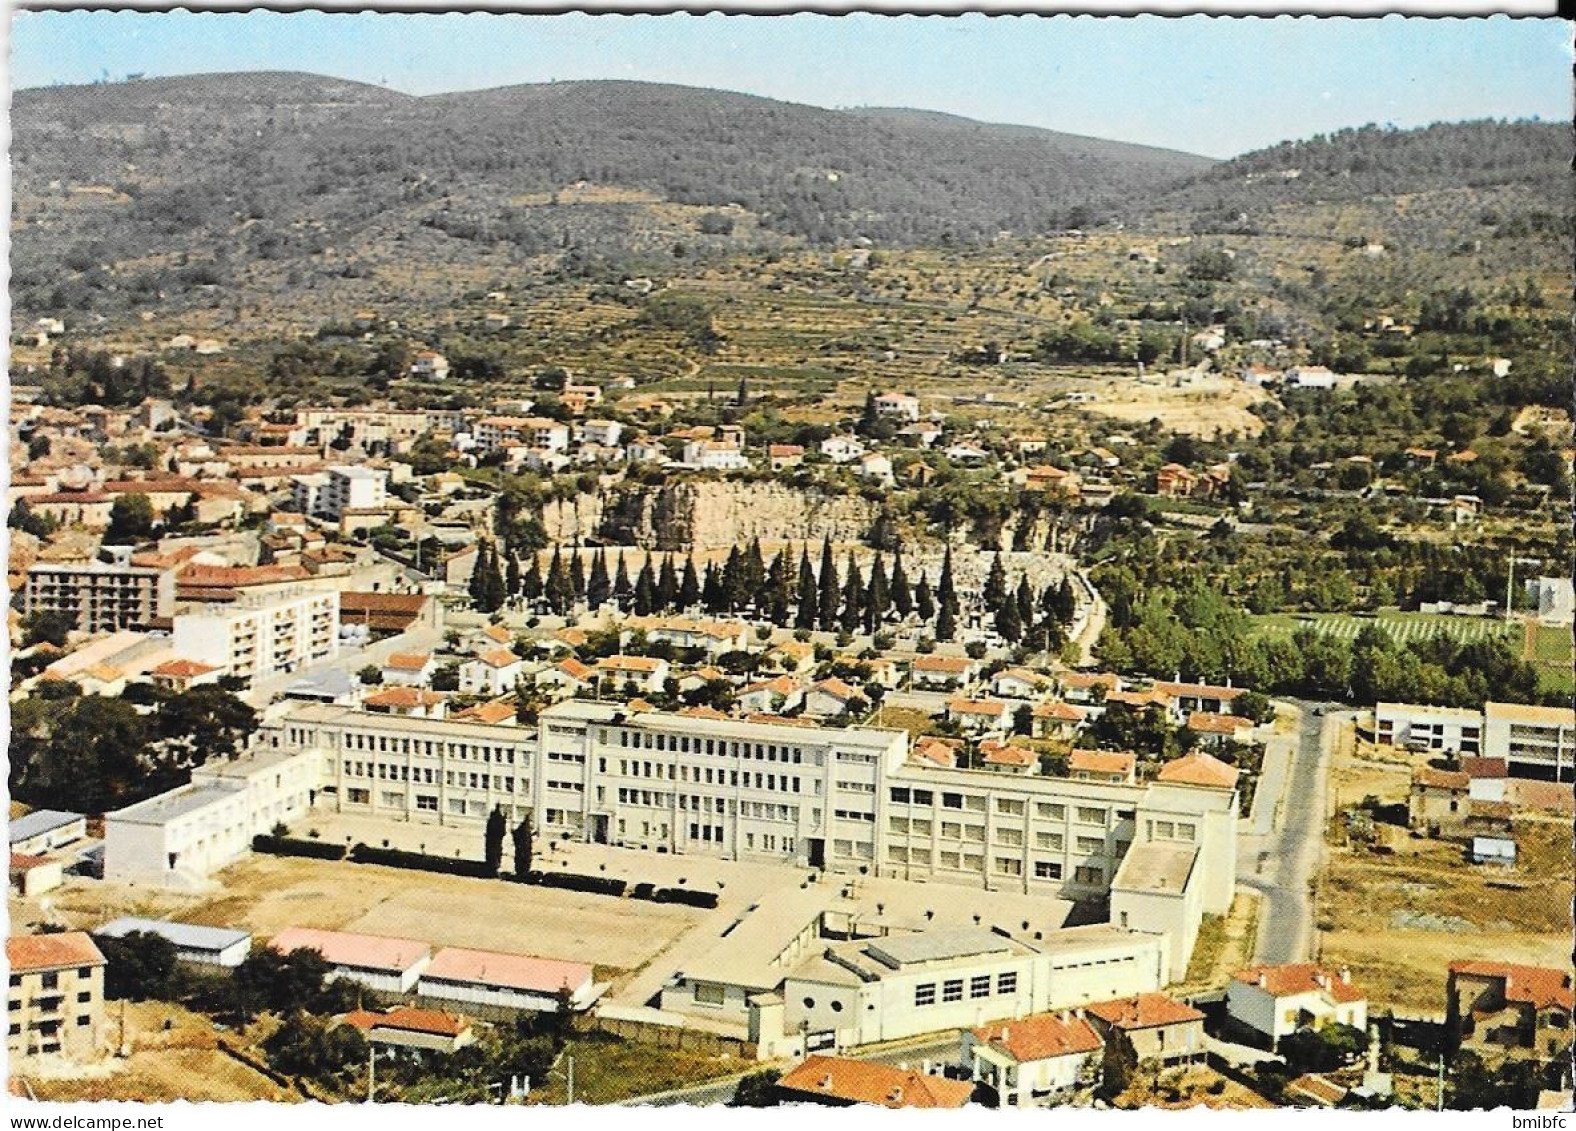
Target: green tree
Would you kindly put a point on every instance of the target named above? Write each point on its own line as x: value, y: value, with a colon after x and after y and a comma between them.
x: 46, y: 626
x: 310, y: 1046
x: 924, y: 601
x: 808, y: 603
x: 493, y: 840
x: 758, y: 1089
x: 689, y: 586
x: 878, y: 597
x: 853, y: 597
x: 1118, y: 1065
x: 130, y: 518
x: 830, y: 589
x: 902, y: 595
x: 205, y: 722
x: 370, y: 675
x: 139, y: 966
x: 522, y: 838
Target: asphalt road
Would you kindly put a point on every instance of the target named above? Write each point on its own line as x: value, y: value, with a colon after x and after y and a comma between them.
x: 1288, y: 856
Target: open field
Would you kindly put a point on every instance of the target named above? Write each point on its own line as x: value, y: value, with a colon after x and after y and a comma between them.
x: 1192, y: 1086
x: 1553, y: 649
x: 608, y: 1071
x: 1402, y: 626
x: 181, y: 1062
x: 1224, y: 944
x: 267, y: 893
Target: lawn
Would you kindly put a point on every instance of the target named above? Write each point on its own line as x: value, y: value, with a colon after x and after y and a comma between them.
x: 1550, y: 648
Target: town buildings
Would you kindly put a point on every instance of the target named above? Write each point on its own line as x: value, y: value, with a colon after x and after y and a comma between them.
x: 100, y: 596
x: 261, y: 636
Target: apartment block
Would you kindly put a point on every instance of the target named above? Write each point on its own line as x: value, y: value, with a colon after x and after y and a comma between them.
x: 100, y: 597
x: 55, y: 1000
x: 330, y: 493
x: 1454, y: 730
x: 263, y: 636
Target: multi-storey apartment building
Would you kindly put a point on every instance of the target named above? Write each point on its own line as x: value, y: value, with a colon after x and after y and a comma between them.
x: 100, y: 597
x: 331, y: 492
x: 1535, y: 742
x: 55, y: 1001
x: 262, y: 636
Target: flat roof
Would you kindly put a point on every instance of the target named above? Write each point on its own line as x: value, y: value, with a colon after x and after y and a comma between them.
x: 176, y: 803
x: 1462, y: 713
x: 1156, y: 867
x: 936, y: 946
x: 341, y: 948
x: 510, y: 971
x: 190, y: 936
x: 614, y: 714
x: 41, y: 821
x: 1525, y: 713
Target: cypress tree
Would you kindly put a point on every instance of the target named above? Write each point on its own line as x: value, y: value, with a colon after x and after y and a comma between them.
x: 667, y: 584
x: 477, y: 589
x: 598, y: 587
x: 947, y: 600
x: 496, y: 593
x: 853, y: 598
x: 945, y: 593
x: 1008, y: 625
x: 946, y: 622
x: 622, y: 589
x: 522, y: 846
x: 1025, y: 599
x: 826, y: 610
x: 924, y: 602
x: 776, y: 591
x: 511, y: 579
x: 577, y: 574
x: 557, y: 590
x: 902, y: 596
x: 735, y: 591
x: 689, y: 588
x: 493, y: 838
x: 711, y: 589
x: 809, y: 598
x: 754, y: 566
x: 995, y: 590
x: 531, y: 583
x: 645, y: 590
x: 878, y: 598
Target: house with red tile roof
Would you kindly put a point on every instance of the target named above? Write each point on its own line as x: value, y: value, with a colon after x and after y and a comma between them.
x: 408, y: 669
x: 977, y: 716
x: 1162, y: 1029
x: 839, y: 1082
x: 1216, y: 730
x: 178, y: 675
x: 828, y: 698
x: 492, y: 673
x: 1057, y: 719
x: 1501, y: 1007
x: 648, y: 674
x: 1199, y: 769
x: 1005, y: 758
x: 1438, y: 797
x: 1102, y: 765
x: 781, y: 693
x: 943, y: 671
x: 1266, y: 1003
x: 416, y: 702
x: 408, y: 1029
x: 495, y: 712
x: 1035, y: 1060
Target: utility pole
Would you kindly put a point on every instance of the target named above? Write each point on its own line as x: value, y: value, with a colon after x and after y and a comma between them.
x: 1440, y: 1102
x: 372, y: 1070
x: 572, y: 1080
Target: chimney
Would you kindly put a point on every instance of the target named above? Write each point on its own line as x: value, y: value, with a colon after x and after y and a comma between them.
x: 1264, y: 980
x: 1079, y: 1013
x: 1065, y: 1017
x: 896, y: 1095
x: 825, y: 1083
x: 1346, y: 975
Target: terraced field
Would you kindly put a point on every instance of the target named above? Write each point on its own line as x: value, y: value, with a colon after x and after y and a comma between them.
x: 1404, y: 627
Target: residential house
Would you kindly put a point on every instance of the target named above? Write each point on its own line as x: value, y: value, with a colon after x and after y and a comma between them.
x: 832, y: 697
x: 1005, y: 758
x: 1057, y: 719
x: 492, y: 673
x: 1175, y: 481
x: 416, y: 702
x: 430, y: 364
x: 1188, y: 697
x: 842, y: 449
x: 976, y: 716
x: 1018, y: 683
x: 901, y: 406
x: 1267, y: 1003
x: 935, y: 672
x: 1037, y: 1059
x: 784, y: 456
x: 1102, y: 765
x: 875, y: 465
x: 648, y: 674
x: 408, y: 669
x: 772, y: 696
x: 1217, y: 730
x: 1500, y: 1007
x: 1438, y: 797
x: 1162, y: 1030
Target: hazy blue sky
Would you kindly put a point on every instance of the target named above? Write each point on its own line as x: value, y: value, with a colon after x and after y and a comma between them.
x: 1213, y: 86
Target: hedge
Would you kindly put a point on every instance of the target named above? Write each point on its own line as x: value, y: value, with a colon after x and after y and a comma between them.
x: 422, y: 862
x: 574, y: 881
x: 686, y: 896
x: 294, y: 846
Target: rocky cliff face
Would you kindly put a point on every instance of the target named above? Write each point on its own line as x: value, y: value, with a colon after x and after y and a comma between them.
x: 707, y: 515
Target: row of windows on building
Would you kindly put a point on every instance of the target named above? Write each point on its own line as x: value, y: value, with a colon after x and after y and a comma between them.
x: 1010, y: 806
x: 1092, y: 875
x: 728, y: 748
x: 707, y: 775
x: 1005, y: 836
x: 979, y: 986
x: 418, y: 747
x: 427, y: 775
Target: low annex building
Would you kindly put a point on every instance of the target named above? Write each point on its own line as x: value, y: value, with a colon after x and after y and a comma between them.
x: 199, y: 945
x: 482, y: 978
x: 838, y: 1082
x: 387, y: 965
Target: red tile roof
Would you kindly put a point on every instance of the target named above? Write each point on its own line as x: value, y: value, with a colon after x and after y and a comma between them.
x: 1144, y: 1011
x: 1041, y: 1036
x: 1102, y: 762
x: 408, y: 661
x: 1062, y: 712
x: 1000, y: 754
x: 410, y: 1020
x: 1485, y: 767
x: 1537, y: 986
x: 494, y: 712
x: 1299, y: 978
x: 863, y: 1081
x: 1206, y: 723
x: 954, y: 664
x: 183, y: 669
x: 1199, y: 768
x: 1430, y: 778
x: 26, y: 953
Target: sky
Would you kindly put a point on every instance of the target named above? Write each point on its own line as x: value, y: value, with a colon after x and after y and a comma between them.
x: 1215, y: 86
